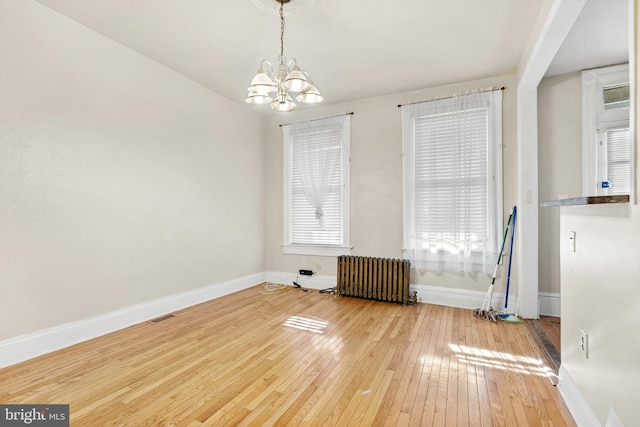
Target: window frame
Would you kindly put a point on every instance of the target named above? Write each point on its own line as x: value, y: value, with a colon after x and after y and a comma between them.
x: 309, y: 248
x: 596, y: 121
x: 480, y: 261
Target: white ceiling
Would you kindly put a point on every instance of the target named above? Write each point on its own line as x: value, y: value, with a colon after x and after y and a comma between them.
x: 353, y: 49
x: 599, y: 37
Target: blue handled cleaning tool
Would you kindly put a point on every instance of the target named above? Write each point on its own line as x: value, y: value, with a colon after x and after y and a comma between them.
x: 506, y: 317
x: 486, y: 312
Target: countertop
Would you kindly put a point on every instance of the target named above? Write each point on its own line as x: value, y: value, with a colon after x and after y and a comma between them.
x: 587, y: 200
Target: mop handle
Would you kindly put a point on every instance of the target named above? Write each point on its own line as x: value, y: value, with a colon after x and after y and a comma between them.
x: 504, y: 239
x: 513, y: 232
x: 486, y: 304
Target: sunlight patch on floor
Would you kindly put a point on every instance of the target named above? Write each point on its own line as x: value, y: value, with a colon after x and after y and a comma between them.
x: 306, y: 324
x: 502, y: 361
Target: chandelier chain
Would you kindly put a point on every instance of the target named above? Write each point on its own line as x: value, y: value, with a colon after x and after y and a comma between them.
x: 282, y: 58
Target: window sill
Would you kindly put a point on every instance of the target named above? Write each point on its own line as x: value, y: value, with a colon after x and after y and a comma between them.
x: 317, y: 250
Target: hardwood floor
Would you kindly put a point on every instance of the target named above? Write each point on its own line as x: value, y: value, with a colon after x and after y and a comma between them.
x: 299, y: 358
x: 547, y: 331
x: 551, y: 327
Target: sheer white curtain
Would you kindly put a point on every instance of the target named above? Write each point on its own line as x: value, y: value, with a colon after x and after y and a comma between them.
x: 316, y: 159
x: 317, y: 174
x: 453, y: 182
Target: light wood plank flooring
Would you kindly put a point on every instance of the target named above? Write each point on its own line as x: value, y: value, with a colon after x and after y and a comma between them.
x: 547, y: 331
x: 299, y: 358
x: 551, y: 328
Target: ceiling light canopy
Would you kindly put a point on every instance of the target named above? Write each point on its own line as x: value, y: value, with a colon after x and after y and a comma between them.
x: 287, y: 78
x: 294, y: 7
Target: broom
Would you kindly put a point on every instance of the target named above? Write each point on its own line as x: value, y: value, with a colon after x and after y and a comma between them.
x: 506, y: 317
x: 486, y: 312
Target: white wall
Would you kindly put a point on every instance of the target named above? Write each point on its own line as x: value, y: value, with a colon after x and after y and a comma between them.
x: 601, y: 295
x: 559, y: 165
x: 120, y: 180
x: 376, y: 183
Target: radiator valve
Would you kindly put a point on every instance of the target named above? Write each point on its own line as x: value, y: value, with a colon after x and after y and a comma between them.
x: 413, y: 298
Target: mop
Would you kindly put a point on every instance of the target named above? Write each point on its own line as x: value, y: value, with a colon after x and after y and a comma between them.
x: 486, y: 312
x: 506, y: 317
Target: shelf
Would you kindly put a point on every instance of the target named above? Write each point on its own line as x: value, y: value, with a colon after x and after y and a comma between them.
x: 583, y: 201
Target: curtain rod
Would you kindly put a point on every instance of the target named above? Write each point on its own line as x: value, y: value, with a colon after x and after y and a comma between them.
x: 313, y: 120
x: 453, y: 95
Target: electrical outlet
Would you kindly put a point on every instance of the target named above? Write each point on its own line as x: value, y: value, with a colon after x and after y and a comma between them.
x: 584, y: 343
x: 572, y: 241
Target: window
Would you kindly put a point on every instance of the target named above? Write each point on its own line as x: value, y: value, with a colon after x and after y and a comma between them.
x: 452, y: 171
x: 606, y: 139
x: 316, y: 193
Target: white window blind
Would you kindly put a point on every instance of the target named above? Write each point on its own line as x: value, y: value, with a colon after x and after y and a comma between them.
x: 452, y: 182
x: 605, y: 120
x: 619, y: 160
x: 317, y: 186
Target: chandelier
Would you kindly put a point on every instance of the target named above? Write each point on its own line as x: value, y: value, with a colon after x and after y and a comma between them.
x: 288, y: 78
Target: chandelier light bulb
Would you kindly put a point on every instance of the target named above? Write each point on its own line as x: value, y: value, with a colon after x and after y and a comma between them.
x: 310, y: 96
x: 284, y: 104
x: 256, y: 98
x: 262, y: 83
x: 296, y: 81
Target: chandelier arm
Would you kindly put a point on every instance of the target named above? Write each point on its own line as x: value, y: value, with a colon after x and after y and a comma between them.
x: 263, y: 62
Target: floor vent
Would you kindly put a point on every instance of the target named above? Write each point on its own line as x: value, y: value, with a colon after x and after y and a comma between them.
x: 162, y: 318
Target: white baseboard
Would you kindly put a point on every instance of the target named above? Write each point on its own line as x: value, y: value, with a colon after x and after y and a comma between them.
x: 462, y: 298
x: 28, y: 346
x: 582, y: 413
x: 427, y: 294
x: 311, y: 282
x: 549, y: 304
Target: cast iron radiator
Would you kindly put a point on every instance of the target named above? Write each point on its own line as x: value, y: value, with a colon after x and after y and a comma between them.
x: 374, y: 278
